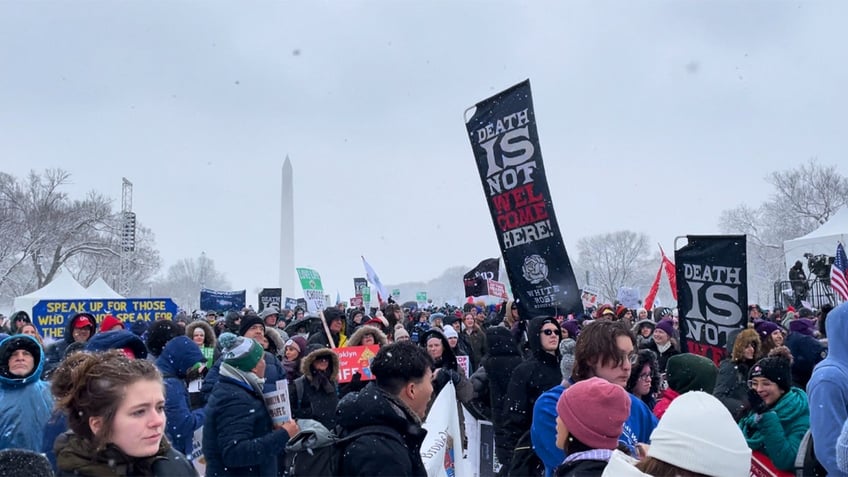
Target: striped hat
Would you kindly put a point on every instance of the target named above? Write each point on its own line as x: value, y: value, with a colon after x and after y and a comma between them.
x: 240, y: 352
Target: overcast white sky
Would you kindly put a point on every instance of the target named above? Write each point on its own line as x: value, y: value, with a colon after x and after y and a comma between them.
x: 653, y: 116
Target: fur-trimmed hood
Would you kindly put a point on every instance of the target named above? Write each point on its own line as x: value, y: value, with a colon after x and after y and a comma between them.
x: 277, y: 342
x: 379, y: 337
x: 306, y: 364
x: 742, y: 339
x: 209, y: 340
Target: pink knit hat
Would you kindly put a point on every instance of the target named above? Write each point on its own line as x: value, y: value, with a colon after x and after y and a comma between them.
x: 594, y: 412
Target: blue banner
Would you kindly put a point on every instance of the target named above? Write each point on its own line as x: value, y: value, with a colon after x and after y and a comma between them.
x: 51, y: 316
x: 222, y: 300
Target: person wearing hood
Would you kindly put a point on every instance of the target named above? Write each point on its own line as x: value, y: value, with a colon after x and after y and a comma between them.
x: 780, y: 413
x: 731, y: 386
x: 126, y: 342
x: 25, y: 400
x: 644, y: 330
x: 18, y: 319
x: 828, y: 391
x: 239, y: 437
x: 270, y: 315
x: 354, y: 320
x: 446, y: 368
x: 180, y: 362
x: 335, y: 323
x: 806, y: 350
x: 697, y: 436
x: 532, y: 377
x: 503, y: 357
x: 686, y: 372
x: 276, y: 341
x: 79, y: 329
x: 314, y: 395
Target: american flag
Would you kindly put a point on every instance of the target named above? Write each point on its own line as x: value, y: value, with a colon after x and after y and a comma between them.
x: 839, y: 273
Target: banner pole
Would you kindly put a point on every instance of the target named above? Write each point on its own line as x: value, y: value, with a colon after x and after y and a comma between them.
x: 326, y: 329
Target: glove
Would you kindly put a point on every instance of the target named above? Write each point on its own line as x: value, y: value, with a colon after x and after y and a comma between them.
x: 757, y: 404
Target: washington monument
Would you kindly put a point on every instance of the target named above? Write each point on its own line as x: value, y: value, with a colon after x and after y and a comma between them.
x: 287, y: 232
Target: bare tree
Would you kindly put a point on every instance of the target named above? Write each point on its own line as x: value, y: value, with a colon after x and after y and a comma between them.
x: 44, y: 229
x: 615, y: 260
x: 185, y: 279
x: 802, y: 199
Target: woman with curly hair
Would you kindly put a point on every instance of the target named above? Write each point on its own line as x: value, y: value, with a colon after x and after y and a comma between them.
x: 732, y: 383
x: 115, y: 408
x: 644, y: 382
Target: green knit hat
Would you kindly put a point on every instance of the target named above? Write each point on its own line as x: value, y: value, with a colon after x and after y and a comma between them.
x: 240, y: 352
x: 691, y: 372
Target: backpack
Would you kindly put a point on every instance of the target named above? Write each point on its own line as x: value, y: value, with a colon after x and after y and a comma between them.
x: 317, y: 452
x: 525, y: 462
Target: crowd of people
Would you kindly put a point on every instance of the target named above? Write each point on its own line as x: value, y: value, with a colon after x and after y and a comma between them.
x: 606, y: 392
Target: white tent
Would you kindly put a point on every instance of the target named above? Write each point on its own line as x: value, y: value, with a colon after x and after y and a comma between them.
x: 823, y: 240
x: 101, y: 289
x: 63, y: 287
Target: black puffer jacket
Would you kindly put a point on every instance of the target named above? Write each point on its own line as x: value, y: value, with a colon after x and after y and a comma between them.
x: 380, y: 455
x: 528, y: 381
x: 316, y: 400
x: 502, y: 359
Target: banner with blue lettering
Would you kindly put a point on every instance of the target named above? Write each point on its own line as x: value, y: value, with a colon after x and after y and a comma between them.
x: 505, y: 142
x: 50, y: 316
x: 222, y: 300
x: 712, y: 292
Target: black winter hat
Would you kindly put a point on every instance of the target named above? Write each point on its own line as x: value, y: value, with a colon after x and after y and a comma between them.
x: 21, y: 462
x: 776, y: 369
x: 248, y: 321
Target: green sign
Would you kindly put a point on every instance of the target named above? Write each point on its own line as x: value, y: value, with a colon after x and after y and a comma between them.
x: 421, y: 297
x: 313, y: 290
x: 396, y: 292
x: 366, y: 295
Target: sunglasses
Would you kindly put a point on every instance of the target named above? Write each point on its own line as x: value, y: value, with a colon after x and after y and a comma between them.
x: 549, y: 332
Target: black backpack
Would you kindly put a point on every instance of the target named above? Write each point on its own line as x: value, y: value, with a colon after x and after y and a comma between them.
x: 525, y: 462
x: 317, y: 452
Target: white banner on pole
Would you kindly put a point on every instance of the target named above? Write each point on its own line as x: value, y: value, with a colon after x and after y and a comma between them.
x: 441, y: 450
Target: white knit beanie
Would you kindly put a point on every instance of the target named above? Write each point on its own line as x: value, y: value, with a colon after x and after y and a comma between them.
x: 697, y: 433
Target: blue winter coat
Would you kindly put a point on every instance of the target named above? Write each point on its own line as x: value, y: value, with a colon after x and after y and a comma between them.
x: 25, y: 402
x: 828, y: 391
x: 178, y: 356
x: 238, y: 437
x: 273, y: 372
x: 637, y: 428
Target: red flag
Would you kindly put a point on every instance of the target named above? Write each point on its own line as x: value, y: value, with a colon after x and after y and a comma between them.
x: 671, y: 273
x: 652, y: 293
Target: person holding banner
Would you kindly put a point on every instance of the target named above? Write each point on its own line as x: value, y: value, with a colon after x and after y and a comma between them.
x: 335, y: 322
x: 115, y: 410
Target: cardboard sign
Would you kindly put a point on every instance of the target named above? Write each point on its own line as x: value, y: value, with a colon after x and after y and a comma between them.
x: 356, y: 359
x: 497, y: 289
x: 465, y: 363
x: 50, y: 316
x: 589, y: 296
x: 356, y: 301
x: 278, y: 403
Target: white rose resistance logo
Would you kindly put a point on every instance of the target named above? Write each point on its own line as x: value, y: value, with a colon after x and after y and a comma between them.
x: 505, y: 142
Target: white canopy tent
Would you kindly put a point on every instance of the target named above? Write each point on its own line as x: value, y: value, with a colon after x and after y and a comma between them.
x: 823, y: 240
x: 101, y: 289
x: 62, y: 287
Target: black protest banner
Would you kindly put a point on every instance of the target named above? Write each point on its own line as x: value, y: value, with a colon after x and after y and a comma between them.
x: 270, y: 297
x: 712, y: 292
x: 358, y: 284
x: 475, y: 280
x: 506, y: 145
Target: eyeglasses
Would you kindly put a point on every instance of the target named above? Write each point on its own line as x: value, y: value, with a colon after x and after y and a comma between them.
x: 549, y: 332
x: 633, y: 358
x: 645, y: 377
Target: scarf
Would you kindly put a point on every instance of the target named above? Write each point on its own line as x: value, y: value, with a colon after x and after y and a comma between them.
x: 663, y: 348
x: 78, y: 456
x: 253, y: 381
